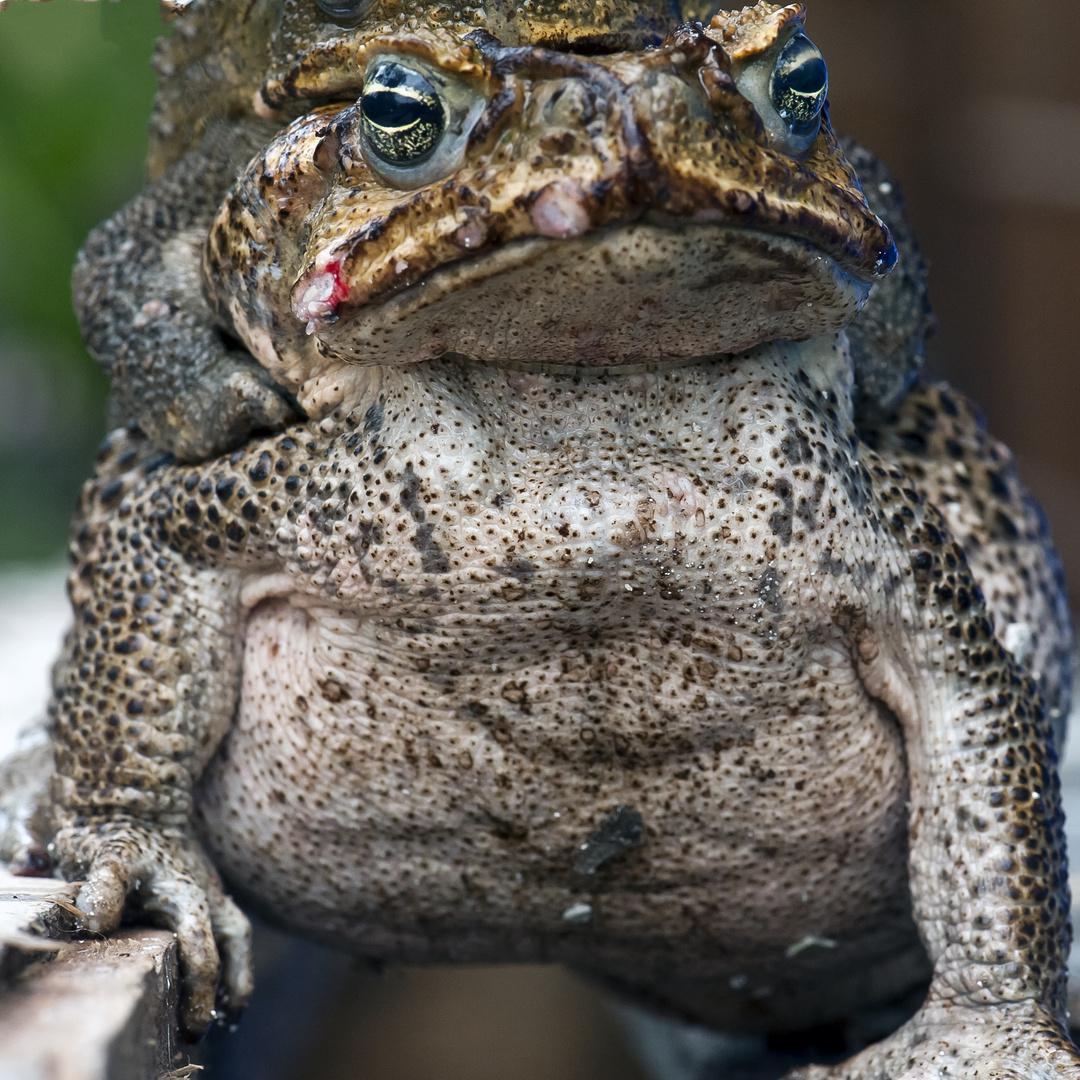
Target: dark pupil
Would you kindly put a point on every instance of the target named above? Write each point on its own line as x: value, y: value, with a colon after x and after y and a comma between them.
x: 800, y: 82
x: 809, y: 77
x: 402, y: 114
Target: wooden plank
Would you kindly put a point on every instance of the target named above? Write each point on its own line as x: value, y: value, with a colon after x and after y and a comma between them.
x: 81, y: 1010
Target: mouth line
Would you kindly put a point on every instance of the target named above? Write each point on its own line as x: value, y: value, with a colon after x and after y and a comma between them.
x: 518, y: 252
x: 543, y: 367
x: 624, y: 298
x: 331, y: 311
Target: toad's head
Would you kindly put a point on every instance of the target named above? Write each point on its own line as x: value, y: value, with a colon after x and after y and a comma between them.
x: 532, y: 206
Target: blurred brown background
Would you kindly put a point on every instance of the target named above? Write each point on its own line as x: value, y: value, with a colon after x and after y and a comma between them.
x: 974, y: 106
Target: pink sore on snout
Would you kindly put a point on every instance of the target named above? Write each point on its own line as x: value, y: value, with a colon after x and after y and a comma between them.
x: 560, y: 211
x: 317, y: 304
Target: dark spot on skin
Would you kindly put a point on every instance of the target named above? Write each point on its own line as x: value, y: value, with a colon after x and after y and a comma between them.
x: 410, y: 494
x: 249, y: 510
x: 795, y: 446
x: 503, y: 829
x: 620, y: 831
x: 373, y: 419
x: 371, y: 532
x: 334, y: 691
x: 519, y: 569
x: 780, y: 520
x: 261, y: 469
x: 158, y: 461
x: 127, y: 646
x: 1006, y: 527
x: 809, y: 508
x: 433, y: 558
x: 225, y: 488
x: 997, y: 484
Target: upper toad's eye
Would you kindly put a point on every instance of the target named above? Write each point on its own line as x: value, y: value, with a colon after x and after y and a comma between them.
x: 787, y: 84
x: 799, y: 85
x: 402, y: 114
x: 346, y: 12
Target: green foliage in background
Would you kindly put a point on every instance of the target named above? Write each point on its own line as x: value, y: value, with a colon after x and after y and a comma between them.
x: 76, y: 89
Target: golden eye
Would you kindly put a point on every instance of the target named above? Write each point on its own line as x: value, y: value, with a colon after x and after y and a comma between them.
x: 800, y: 85
x: 403, y: 116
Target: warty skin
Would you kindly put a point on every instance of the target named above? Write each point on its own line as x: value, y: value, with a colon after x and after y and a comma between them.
x: 839, y: 590
x: 470, y: 567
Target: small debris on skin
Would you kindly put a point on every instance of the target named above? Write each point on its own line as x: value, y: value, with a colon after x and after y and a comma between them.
x: 152, y: 309
x: 471, y: 234
x: 577, y: 913
x: 811, y: 941
x: 618, y: 832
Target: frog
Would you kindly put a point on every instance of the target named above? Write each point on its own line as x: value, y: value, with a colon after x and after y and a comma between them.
x: 575, y: 620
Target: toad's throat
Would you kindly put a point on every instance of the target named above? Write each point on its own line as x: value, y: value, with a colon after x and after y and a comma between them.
x: 627, y: 295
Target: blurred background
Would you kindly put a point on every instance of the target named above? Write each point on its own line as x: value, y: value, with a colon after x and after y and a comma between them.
x: 975, y: 106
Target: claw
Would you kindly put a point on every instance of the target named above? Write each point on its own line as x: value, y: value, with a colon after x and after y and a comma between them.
x: 182, y: 907
x: 168, y: 877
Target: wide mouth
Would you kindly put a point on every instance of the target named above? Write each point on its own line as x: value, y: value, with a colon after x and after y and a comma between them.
x: 635, y: 294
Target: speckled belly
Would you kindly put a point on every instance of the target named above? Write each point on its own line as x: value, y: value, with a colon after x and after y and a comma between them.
x: 383, y: 791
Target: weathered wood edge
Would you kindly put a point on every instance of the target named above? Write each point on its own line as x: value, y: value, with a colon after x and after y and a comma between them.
x: 101, y: 1009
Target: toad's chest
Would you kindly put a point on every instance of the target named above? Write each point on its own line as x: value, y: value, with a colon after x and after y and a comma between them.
x: 493, y: 635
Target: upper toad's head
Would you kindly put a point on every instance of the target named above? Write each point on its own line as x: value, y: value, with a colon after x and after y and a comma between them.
x: 527, y: 205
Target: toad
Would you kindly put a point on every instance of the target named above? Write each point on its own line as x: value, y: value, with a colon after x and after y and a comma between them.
x: 576, y: 622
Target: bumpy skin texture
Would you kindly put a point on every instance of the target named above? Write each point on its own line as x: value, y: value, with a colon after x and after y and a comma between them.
x: 140, y: 306
x: 940, y: 439
x: 508, y: 258
x: 888, y: 338
x: 138, y: 293
x: 695, y: 636
x: 476, y: 620
x: 136, y: 285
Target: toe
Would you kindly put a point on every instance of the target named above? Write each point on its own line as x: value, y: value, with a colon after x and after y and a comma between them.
x: 181, y: 906
x: 105, y: 890
x: 233, y: 934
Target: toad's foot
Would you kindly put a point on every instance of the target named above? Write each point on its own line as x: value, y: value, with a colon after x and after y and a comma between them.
x: 165, y: 874
x: 1018, y: 1041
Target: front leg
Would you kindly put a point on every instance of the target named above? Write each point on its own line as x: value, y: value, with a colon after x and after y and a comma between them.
x: 987, y: 850
x: 138, y: 295
x: 147, y: 689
